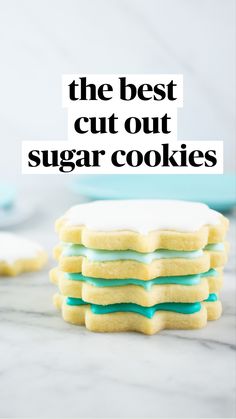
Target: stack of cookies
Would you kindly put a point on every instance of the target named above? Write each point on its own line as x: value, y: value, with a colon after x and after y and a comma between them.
x: 142, y: 265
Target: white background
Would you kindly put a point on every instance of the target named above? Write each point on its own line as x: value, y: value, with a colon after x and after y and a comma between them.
x: 41, y: 40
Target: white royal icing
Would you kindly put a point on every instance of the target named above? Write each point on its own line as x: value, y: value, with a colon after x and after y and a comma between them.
x: 142, y: 216
x: 14, y: 247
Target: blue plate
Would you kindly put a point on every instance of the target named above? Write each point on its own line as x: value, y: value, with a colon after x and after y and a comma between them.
x: 217, y: 191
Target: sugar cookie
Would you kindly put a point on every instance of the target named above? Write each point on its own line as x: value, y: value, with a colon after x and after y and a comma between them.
x: 173, y: 264
x: 142, y: 225
x: 18, y: 254
x: 128, y: 317
x: 184, y: 289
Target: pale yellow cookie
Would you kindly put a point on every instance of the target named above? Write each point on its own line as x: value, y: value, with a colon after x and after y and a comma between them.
x: 129, y: 321
x: 219, y: 258
x: 143, y: 226
x: 137, y: 294
x: 18, y: 255
x: 132, y: 269
x: 214, y: 309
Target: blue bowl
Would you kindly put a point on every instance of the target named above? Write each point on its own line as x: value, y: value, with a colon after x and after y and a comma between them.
x: 217, y: 191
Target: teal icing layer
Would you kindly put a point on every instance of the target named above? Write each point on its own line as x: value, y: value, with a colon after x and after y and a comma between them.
x: 181, y: 280
x: 211, y: 298
x: 75, y: 301
x: 211, y: 272
x: 184, y: 308
x: 111, y: 255
x: 217, y: 247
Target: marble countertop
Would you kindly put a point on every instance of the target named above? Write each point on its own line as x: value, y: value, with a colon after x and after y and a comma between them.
x: 49, y: 368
